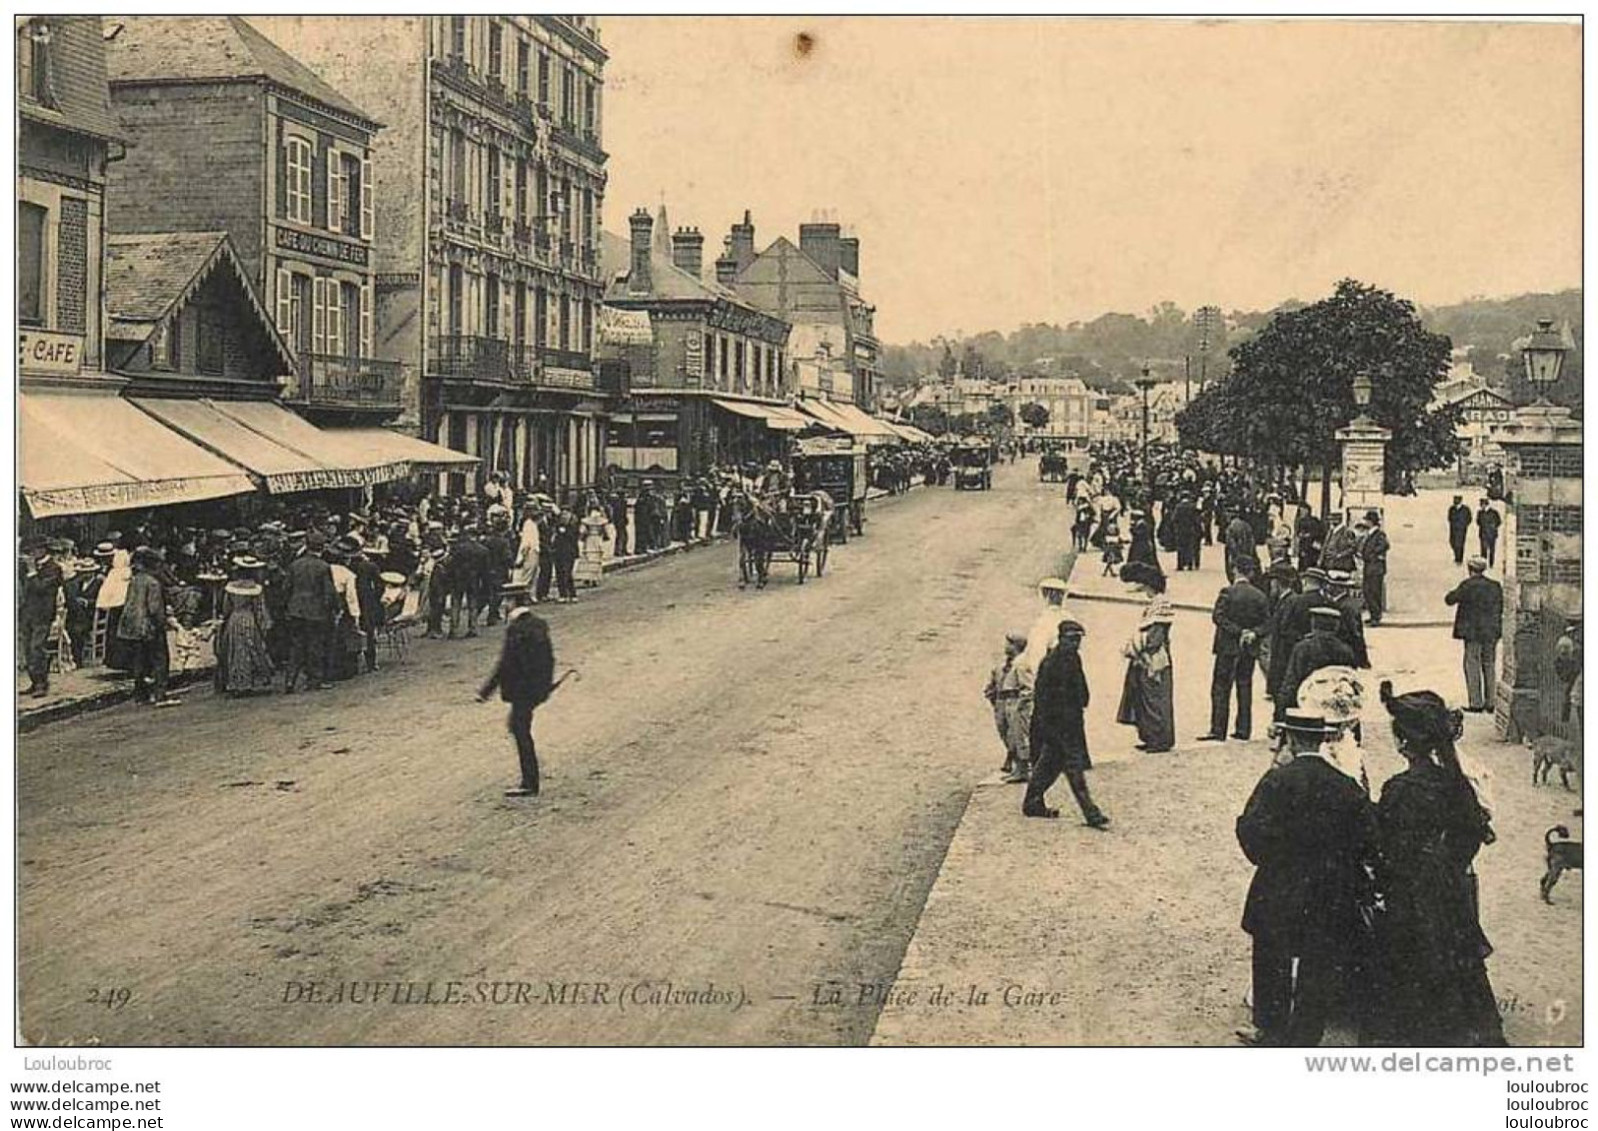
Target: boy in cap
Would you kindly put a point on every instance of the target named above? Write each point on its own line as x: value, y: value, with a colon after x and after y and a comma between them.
x: 1009, y: 690
x: 1058, y: 738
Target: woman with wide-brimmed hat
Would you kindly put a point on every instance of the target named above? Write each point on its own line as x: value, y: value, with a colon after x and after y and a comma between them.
x: 1432, y: 822
x: 243, y: 660
x: 1148, y: 694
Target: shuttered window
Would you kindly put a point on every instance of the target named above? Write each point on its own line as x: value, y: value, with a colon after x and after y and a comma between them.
x: 285, y: 302
x: 297, y: 182
x: 336, y: 187
x: 368, y: 209
x: 366, y: 320
x: 319, y: 316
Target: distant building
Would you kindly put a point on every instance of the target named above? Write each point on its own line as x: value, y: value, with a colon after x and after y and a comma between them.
x: 491, y: 174
x: 1069, y: 404
x: 229, y: 133
x: 815, y: 288
x: 1483, y: 409
x: 703, y: 372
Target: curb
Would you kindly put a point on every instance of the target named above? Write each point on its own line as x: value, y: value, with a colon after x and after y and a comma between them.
x: 1195, y: 607
x: 121, y: 692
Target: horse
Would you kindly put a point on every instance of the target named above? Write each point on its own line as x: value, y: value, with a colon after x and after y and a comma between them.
x: 751, y: 523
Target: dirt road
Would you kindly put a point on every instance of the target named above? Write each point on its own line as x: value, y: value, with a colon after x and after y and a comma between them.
x: 746, y: 798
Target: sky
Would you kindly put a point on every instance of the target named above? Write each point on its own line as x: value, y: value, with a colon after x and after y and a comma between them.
x: 1005, y: 171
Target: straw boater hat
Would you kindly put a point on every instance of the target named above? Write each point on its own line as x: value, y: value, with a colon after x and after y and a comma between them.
x: 248, y: 561
x: 1301, y: 721
x: 244, y: 588
x: 391, y: 578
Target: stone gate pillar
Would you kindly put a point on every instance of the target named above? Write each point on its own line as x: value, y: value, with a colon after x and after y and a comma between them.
x: 1542, y: 563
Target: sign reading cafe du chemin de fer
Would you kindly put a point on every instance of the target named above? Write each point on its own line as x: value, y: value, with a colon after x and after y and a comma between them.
x: 307, y: 244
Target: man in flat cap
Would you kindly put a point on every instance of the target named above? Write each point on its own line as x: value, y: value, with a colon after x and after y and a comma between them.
x: 1310, y: 832
x: 1478, y: 623
x: 1058, y: 737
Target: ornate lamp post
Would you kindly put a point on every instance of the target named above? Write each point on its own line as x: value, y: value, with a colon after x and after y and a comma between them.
x: 1544, y: 358
x: 1145, y: 383
x: 1364, y: 444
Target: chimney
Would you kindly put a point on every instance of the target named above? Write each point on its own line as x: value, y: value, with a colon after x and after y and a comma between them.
x: 741, y: 244
x: 638, y: 279
x: 820, y: 242
x: 849, y: 255
x: 688, y: 251
x: 727, y: 265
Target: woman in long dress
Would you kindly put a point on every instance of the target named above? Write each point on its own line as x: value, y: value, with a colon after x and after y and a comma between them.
x: 243, y: 662
x: 595, y: 531
x: 1434, y: 988
x: 1148, y: 694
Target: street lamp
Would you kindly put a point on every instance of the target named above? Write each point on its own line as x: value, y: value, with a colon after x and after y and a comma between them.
x: 1362, y: 393
x: 1544, y: 356
x: 1145, y: 383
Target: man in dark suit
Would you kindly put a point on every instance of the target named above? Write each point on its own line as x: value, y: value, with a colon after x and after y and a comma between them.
x: 1478, y: 622
x: 1185, y: 531
x: 1458, y: 525
x: 36, y: 615
x: 1290, y: 624
x: 1322, y: 648
x: 1240, y: 545
x: 501, y: 551
x: 1310, y: 832
x: 1309, y: 532
x: 313, y: 606
x: 1488, y: 520
x: 1240, y: 613
x: 1058, y: 737
x: 369, y: 593
x: 1346, y: 596
x: 468, y: 567
x: 1373, y: 547
x: 525, y: 678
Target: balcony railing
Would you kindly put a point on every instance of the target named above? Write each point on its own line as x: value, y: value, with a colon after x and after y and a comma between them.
x: 468, y: 355
x: 359, y: 382
x: 494, y: 224
x: 523, y: 232
x: 552, y: 368
x: 458, y: 211
x: 524, y: 112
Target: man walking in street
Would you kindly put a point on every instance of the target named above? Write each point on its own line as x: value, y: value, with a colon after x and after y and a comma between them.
x: 1322, y: 648
x: 313, y: 606
x: 1309, y: 830
x: 1488, y: 520
x: 1058, y: 738
x: 1240, y: 613
x: 1240, y: 545
x: 524, y: 677
x: 1373, y: 548
x: 1478, y: 622
x: 1458, y: 526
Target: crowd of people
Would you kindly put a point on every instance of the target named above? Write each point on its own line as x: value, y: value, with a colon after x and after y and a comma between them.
x: 1362, y: 911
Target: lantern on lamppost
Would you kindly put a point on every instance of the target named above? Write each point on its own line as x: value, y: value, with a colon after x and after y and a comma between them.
x: 1363, y: 386
x: 1544, y: 358
x: 1145, y: 383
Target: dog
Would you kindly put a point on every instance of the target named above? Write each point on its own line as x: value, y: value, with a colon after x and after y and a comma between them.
x: 1563, y: 854
x: 1550, y: 751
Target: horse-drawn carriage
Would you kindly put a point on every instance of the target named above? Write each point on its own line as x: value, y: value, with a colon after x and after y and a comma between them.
x: 838, y: 468
x: 790, y: 528
x: 973, y: 465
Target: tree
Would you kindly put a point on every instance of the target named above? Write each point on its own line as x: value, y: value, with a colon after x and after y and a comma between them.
x: 946, y: 364
x: 1291, y: 387
x: 999, y: 416
x: 1034, y: 415
x: 929, y: 418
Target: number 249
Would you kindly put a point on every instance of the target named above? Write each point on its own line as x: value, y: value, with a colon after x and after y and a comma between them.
x: 112, y: 998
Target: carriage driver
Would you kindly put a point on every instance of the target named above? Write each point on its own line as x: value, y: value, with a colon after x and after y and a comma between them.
x: 774, y: 480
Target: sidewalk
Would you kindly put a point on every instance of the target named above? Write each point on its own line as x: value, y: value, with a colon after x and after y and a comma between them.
x: 1420, y: 567
x: 73, y: 693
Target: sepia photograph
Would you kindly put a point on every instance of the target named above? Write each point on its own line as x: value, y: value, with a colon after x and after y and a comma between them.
x: 700, y: 531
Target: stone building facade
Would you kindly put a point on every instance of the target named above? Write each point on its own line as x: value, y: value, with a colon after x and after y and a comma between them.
x: 232, y: 134
x: 488, y: 278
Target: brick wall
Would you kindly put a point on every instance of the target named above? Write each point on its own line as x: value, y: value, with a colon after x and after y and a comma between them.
x: 72, y: 246
x: 196, y: 163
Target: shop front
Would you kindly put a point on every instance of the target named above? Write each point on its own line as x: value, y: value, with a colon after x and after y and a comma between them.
x: 671, y: 436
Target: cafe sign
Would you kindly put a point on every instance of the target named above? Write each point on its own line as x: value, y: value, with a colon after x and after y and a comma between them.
x: 289, y: 239
x: 41, y: 351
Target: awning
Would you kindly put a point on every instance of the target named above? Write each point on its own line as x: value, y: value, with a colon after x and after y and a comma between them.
x: 773, y: 416
x: 848, y: 418
x: 422, y: 455
x: 91, y: 451
x: 280, y: 469
x: 345, y: 460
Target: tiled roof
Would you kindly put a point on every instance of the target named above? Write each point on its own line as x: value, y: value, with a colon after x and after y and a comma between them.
x: 78, y: 98
x: 212, y: 48
x: 146, y: 275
